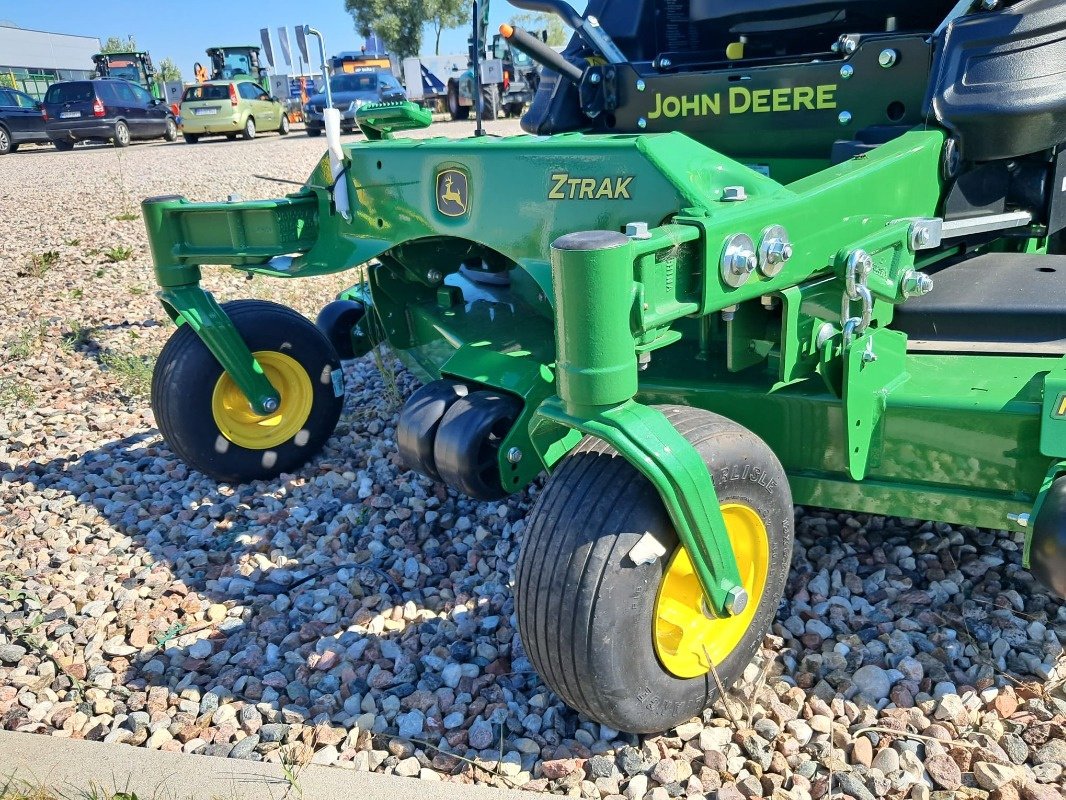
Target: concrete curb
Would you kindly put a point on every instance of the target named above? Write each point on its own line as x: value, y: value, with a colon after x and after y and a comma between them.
x: 68, y: 767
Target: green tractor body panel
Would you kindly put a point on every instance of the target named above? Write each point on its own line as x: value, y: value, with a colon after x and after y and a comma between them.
x: 237, y: 63
x: 593, y: 276
x: 135, y: 67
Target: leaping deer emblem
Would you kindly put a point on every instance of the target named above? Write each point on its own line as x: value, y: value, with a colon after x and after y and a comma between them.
x: 452, y: 195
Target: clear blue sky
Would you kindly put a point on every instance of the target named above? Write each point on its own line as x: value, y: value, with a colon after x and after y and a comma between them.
x: 181, y: 30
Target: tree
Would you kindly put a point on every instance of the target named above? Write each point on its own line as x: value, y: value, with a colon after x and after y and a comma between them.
x: 538, y: 21
x: 397, y: 22
x: 168, y: 71
x: 444, y: 15
x: 116, y: 45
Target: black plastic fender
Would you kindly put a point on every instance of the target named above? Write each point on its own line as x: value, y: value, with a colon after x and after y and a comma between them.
x: 1047, y: 548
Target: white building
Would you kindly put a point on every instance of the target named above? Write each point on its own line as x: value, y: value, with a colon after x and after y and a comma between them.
x: 34, y: 59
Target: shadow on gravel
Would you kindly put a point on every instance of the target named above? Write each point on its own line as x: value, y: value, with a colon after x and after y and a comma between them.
x: 242, y: 596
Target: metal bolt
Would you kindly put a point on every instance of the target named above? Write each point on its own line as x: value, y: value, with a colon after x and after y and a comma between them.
x: 736, y: 600
x: 989, y: 5
x: 665, y: 63
x: 594, y: 77
x: 734, y: 194
x: 643, y: 361
x: 514, y: 455
x: 270, y: 405
x: 888, y: 58
x: 774, y: 250
x: 778, y: 251
x: 434, y: 276
x: 642, y: 123
x: 641, y: 86
x: 849, y: 45
x: 847, y: 71
x: 637, y: 230
x: 728, y: 313
x: 915, y: 284
x: 868, y: 355
x: 739, y: 259
x: 845, y: 117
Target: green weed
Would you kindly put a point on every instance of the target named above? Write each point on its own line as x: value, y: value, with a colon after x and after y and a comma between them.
x: 134, y: 373
x: 119, y: 253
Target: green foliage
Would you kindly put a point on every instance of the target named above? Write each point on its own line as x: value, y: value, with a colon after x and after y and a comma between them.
x: 133, y: 373
x: 115, y: 44
x: 7, y: 80
x: 119, y: 253
x: 443, y: 15
x: 535, y: 22
x: 398, y: 22
x: 168, y: 71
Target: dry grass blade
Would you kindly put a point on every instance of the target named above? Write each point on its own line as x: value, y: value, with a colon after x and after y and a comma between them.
x: 721, y: 691
x: 457, y: 757
x: 908, y: 735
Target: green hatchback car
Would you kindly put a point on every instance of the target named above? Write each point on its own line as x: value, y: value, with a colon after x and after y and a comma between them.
x: 230, y: 109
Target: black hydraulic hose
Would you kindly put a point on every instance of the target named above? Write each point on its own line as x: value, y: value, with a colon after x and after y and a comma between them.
x: 540, y: 52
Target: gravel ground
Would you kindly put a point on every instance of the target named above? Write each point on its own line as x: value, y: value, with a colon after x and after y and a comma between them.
x: 357, y: 614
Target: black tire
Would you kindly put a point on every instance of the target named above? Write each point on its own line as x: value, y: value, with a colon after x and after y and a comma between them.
x: 314, y: 132
x: 586, y: 611
x: 14, y: 148
x: 191, y: 138
x: 186, y: 375
x: 490, y: 101
x: 416, y: 430
x: 6, y: 145
x: 456, y: 111
x: 232, y: 136
x: 336, y: 320
x: 249, y: 128
x: 466, y: 450
x: 121, y: 137
x: 171, y: 132
x: 284, y: 127
x: 62, y: 144
x: 515, y: 109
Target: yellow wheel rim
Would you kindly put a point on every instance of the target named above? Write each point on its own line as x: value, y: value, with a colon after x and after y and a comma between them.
x: 242, y: 426
x: 684, y: 636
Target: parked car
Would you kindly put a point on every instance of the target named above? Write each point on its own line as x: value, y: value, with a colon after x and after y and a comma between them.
x: 106, y: 109
x: 351, y: 90
x: 21, y: 121
x: 230, y: 109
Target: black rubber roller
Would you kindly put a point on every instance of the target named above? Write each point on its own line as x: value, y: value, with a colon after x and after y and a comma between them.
x: 467, y: 448
x: 419, y: 420
x: 336, y: 320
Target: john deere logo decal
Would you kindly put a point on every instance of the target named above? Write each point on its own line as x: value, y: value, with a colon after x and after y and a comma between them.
x: 1059, y: 410
x: 452, y: 193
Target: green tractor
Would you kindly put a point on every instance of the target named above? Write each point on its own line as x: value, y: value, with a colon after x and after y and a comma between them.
x: 135, y: 67
x: 758, y: 254
x: 238, y: 62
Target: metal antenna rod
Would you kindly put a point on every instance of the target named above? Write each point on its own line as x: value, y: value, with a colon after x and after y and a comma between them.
x: 478, y: 98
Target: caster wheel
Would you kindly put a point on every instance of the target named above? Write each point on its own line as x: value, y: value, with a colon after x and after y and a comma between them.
x: 416, y: 430
x: 205, y: 418
x: 466, y: 450
x: 627, y: 643
x: 336, y: 321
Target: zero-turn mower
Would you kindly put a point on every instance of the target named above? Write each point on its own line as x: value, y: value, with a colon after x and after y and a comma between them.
x: 759, y: 253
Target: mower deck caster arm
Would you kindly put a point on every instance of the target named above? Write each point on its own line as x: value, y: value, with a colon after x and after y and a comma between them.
x: 592, y: 278
x: 196, y: 308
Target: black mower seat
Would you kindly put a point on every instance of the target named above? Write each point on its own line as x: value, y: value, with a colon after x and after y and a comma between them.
x: 994, y: 303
